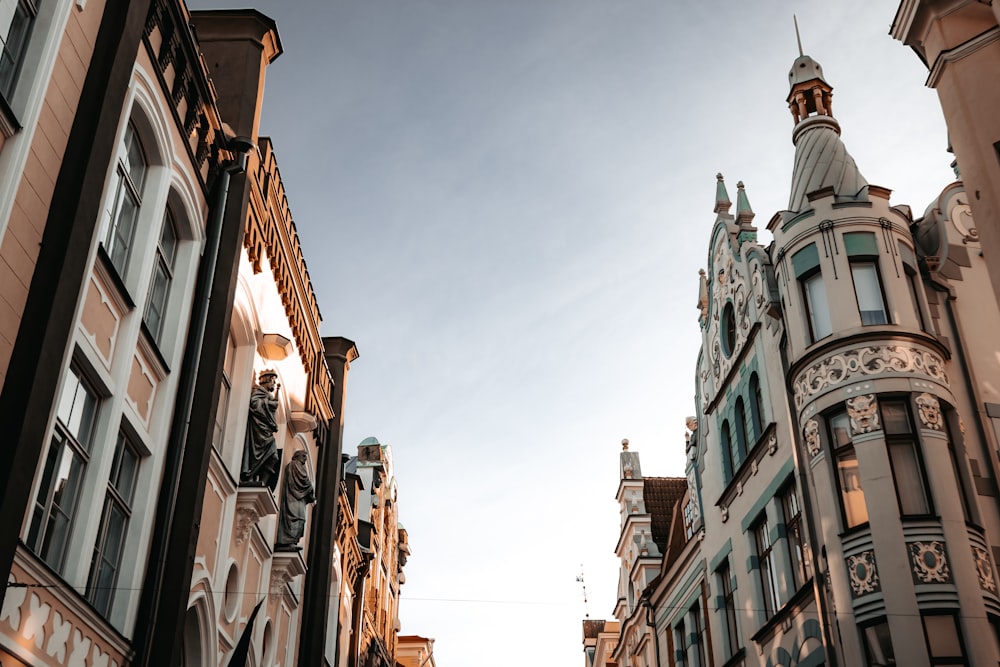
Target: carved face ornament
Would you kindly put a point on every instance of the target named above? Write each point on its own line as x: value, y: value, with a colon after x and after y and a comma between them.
x: 863, y: 411
x: 930, y: 411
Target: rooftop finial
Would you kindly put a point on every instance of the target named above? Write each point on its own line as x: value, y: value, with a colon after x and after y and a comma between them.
x: 798, y: 38
x: 722, y: 202
x: 625, y: 444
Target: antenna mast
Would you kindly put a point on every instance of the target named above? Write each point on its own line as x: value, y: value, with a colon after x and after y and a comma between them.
x: 583, y: 584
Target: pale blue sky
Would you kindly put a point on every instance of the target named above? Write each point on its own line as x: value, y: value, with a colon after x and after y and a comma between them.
x: 505, y: 203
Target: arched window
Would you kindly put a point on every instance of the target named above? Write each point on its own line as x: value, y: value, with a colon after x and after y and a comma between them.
x: 741, y: 428
x: 729, y: 450
x: 123, y: 208
x: 756, y: 406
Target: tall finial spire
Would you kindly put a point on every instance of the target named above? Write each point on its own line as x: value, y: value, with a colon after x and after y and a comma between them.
x: 722, y: 202
x: 798, y: 38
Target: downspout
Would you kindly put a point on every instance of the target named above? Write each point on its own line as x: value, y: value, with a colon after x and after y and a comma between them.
x: 807, y: 505
x: 650, y: 623
x: 358, y: 609
x: 150, y: 602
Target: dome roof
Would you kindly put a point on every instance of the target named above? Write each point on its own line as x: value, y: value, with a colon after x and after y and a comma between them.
x: 821, y: 161
x: 805, y: 69
x: 370, y: 440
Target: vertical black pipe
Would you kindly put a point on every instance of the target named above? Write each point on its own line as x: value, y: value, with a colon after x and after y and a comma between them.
x: 36, y: 361
x: 316, y: 603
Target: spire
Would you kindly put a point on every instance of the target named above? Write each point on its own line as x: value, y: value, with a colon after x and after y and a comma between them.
x: 722, y: 202
x: 744, y: 214
x: 821, y: 159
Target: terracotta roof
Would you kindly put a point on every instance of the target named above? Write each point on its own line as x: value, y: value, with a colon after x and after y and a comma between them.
x: 660, y: 495
x: 592, y: 628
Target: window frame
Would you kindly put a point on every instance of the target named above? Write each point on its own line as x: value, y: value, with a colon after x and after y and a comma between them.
x: 945, y: 660
x: 27, y: 10
x: 862, y: 261
x: 728, y: 609
x: 124, y: 186
x: 162, y: 266
x: 766, y: 566
x: 896, y: 443
x: 116, y: 499
x: 726, y: 434
x: 812, y: 277
x: 840, y: 452
x: 867, y: 646
x: 79, y: 447
x: 756, y: 406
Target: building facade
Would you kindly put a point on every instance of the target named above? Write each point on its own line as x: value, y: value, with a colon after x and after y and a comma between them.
x: 959, y: 42
x: 840, y: 504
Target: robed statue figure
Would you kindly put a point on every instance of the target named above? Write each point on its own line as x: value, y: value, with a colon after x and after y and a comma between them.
x: 297, y: 491
x: 260, y: 451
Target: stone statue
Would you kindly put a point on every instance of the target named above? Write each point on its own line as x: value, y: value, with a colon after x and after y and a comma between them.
x: 260, y: 451
x: 296, y: 492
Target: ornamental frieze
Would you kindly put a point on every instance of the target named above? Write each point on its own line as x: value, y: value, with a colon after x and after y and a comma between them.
x: 865, y: 362
x: 929, y: 562
x: 864, y: 574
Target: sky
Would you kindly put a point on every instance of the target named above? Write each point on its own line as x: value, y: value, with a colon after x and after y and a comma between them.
x: 505, y: 204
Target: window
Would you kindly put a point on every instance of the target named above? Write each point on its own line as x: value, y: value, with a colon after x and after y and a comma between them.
x: 114, y: 526
x: 868, y: 290
x: 69, y: 452
x: 765, y: 563
x: 729, y: 446
x: 852, y: 496
x: 878, y: 644
x: 792, y: 515
x: 224, y: 393
x: 907, y: 470
x: 698, y: 636
x: 741, y: 427
x: 16, y: 19
x: 944, y: 641
x: 816, y: 306
x: 163, y: 270
x: 756, y: 407
x: 728, y: 609
x: 728, y: 325
x: 680, y: 640
x: 123, y: 206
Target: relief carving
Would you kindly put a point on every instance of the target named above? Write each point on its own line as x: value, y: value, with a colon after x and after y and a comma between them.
x: 930, y: 411
x: 811, y: 434
x: 864, y: 574
x: 863, y: 411
x: 984, y: 568
x: 930, y: 563
x: 864, y: 361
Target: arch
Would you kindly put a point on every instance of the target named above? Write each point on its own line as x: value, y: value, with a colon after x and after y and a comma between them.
x: 741, y: 428
x: 199, y: 642
x: 727, y: 445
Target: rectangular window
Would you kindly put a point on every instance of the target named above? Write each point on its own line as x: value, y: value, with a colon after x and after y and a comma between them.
x: 793, y: 534
x: 852, y: 496
x: 224, y: 393
x: 16, y: 19
x: 904, y: 455
x: 944, y: 640
x: 114, y: 526
x: 680, y: 641
x: 868, y: 290
x: 817, y: 307
x: 123, y: 206
x: 56, y: 503
x: 163, y: 271
x: 698, y: 637
x: 729, y: 609
x: 765, y: 561
x: 878, y: 644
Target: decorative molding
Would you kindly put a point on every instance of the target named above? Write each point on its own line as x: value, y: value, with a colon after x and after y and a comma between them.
x: 929, y: 561
x: 985, y: 570
x: 810, y: 432
x: 929, y: 411
x: 864, y: 574
x: 863, y: 411
x: 252, y: 504
x: 959, y: 52
x: 285, y: 566
x: 864, y: 362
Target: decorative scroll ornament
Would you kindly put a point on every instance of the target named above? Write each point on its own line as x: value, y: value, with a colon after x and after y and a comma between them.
x: 772, y: 444
x: 246, y: 519
x: 930, y: 411
x: 869, y: 360
x: 727, y: 284
x: 863, y: 411
x: 984, y: 568
x: 811, y: 434
x: 864, y: 574
x: 930, y: 563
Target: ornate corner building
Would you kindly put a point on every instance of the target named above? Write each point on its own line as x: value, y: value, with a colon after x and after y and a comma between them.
x: 172, y: 488
x: 840, y: 506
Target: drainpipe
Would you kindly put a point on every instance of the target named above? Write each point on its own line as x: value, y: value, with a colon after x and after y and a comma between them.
x: 358, y: 609
x: 651, y: 624
x: 807, y: 505
x: 160, y: 635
